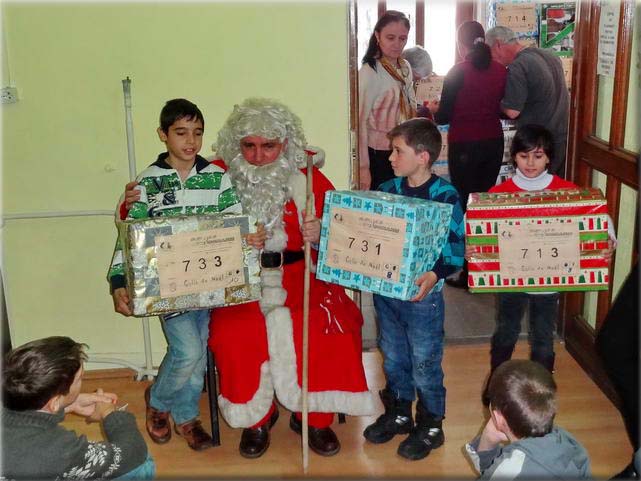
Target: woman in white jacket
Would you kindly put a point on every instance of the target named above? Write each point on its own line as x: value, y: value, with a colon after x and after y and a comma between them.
x: 386, y: 96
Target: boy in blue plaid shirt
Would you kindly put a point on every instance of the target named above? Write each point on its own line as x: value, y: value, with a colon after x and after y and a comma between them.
x: 411, y: 332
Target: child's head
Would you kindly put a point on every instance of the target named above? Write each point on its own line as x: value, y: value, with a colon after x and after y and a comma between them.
x: 532, y: 149
x: 416, y: 144
x: 40, y: 370
x: 524, y: 393
x: 181, y: 129
x: 177, y: 109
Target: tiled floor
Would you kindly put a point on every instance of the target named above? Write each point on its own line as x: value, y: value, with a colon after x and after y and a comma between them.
x: 468, y: 317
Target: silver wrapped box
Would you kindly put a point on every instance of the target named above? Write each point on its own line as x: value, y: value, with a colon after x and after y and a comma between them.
x: 182, y: 263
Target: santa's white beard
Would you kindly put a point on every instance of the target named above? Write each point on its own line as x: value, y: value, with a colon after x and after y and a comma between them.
x: 262, y: 190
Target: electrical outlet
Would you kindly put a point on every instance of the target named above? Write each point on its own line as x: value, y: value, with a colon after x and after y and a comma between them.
x: 8, y: 95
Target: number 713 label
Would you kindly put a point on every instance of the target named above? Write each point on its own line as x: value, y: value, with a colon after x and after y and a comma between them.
x: 538, y: 250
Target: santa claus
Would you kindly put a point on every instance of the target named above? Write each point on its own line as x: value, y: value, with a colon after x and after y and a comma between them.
x: 258, y: 346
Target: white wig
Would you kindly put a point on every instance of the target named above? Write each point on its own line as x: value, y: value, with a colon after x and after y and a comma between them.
x: 266, y: 118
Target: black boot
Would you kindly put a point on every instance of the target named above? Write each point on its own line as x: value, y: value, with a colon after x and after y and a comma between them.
x: 426, y: 435
x: 547, y: 361
x: 397, y: 419
x: 498, y: 355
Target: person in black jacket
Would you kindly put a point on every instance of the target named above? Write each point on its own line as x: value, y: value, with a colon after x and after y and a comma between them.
x: 618, y: 346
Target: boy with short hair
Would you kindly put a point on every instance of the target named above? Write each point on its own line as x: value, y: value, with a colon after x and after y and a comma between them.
x: 179, y: 182
x: 41, y: 383
x: 411, y: 332
x: 522, y: 397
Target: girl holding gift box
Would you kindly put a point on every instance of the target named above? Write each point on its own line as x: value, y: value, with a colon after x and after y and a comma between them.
x: 531, y: 151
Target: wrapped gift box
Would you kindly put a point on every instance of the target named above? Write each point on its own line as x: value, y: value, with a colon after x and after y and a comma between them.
x: 429, y: 89
x: 558, y: 237
x: 380, y: 242
x: 175, y: 264
x: 440, y: 166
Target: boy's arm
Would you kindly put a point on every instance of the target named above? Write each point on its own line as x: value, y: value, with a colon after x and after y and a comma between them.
x: 485, y: 450
x: 123, y: 450
x: 452, y: 255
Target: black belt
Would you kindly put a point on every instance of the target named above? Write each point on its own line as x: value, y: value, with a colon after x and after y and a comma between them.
x: 274, y: 260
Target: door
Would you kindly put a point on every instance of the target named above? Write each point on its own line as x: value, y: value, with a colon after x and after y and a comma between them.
x: 604, y: 153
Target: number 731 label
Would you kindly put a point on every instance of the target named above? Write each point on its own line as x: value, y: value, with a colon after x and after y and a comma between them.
x: 538, y: 250
x: 370, y: 244
x: 193, y: 262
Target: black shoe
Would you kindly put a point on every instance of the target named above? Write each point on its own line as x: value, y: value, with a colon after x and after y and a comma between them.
x: 397, y: 419
x: 254, y: 442
x: 420, y: 442
x: 322, y: 441
x: 629, y: 472
x: 459, y: 281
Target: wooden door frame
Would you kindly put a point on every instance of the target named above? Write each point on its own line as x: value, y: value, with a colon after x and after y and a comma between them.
x: 589, y: 153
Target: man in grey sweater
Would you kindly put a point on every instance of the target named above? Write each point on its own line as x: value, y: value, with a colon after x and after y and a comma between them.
x: 42, y: 381
x: 535, y: 92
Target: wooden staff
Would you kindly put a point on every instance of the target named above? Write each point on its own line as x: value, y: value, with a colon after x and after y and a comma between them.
x: 308, y: 263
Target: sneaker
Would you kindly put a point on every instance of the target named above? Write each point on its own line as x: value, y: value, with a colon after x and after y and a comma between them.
x: 157, y: 422
x: 197, y: 438
x: 420, y: 442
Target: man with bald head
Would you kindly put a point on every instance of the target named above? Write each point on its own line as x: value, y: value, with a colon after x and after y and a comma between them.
x: 535, y: 92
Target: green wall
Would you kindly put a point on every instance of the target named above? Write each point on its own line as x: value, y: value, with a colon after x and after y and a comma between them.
x: 64, y: 144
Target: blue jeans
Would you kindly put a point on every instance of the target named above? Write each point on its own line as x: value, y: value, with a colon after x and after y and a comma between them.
x: 410, y: 335
x: 544, y: 309
x: 181, y: 375
x: 146, y: 470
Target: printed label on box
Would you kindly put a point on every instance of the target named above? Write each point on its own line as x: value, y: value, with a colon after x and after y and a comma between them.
x: 519, y: 17
x: 194, y: 262
x: 535, y: 250
x: 429, y: 89
x: 369, y: 244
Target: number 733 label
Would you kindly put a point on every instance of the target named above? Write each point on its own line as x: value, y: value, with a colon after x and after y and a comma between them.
x: 194, y: 262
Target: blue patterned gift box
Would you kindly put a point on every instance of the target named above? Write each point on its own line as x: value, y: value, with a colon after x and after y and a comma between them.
x: 427, y: 225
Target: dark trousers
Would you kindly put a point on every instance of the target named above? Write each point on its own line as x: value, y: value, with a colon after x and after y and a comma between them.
x: 379, y: 167
x: 544, y: 310
x: 617, y: 343
x: 474, y: 166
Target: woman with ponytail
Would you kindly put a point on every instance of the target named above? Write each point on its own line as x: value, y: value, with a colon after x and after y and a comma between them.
x: 470, y: 104
x: 385, y: 97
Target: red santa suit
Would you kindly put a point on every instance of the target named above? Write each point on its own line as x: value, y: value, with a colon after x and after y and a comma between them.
x: 258, y: 345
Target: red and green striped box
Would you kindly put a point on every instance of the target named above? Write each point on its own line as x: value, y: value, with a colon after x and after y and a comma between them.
x: 486, y: 212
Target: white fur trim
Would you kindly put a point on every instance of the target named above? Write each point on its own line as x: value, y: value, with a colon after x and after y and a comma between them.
x: 283, y: 363
x: 298, y: 188
x: 277, y: 241
x: 247, y: 414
